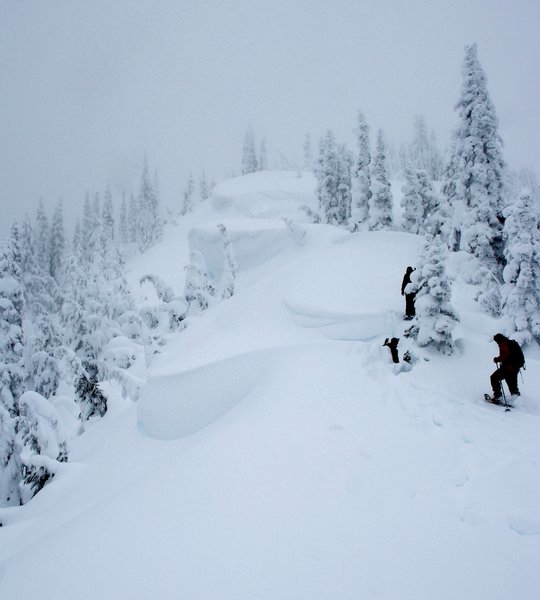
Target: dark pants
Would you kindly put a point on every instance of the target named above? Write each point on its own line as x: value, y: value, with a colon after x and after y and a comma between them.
x: 508, y: 374
x: 410, y: 311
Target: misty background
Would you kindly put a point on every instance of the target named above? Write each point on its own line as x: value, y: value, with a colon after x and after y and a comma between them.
x: 88, y: 87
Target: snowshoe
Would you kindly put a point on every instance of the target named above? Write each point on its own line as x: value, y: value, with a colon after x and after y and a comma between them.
x: 497, y: 401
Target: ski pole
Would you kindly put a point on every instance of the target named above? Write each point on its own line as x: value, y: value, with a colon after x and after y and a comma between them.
x: 504, y: 398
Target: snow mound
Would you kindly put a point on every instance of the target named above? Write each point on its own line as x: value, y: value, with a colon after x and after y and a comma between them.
x: 343, y: 326
x: 177, y: 405
x: 266, y: 194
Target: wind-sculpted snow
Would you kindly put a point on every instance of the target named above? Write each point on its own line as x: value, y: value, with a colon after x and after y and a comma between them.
x: 254, y: 242
x: 177, y: 405
x: 343, y: 326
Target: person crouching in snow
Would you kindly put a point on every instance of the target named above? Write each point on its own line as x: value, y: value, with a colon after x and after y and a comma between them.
x: 509, y: 361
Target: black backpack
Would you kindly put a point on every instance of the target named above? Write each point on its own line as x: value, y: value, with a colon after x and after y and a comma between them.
x: 516, y: 354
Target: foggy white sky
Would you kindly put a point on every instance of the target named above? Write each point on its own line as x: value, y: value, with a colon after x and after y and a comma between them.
x: 88, y: 86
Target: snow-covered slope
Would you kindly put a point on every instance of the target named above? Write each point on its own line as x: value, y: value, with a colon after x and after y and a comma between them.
x: 277, y: 453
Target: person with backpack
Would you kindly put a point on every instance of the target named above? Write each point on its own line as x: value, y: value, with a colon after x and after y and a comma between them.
x: 509, y: 361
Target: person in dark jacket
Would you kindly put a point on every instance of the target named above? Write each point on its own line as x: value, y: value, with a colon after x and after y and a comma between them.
x: 410, y: 310
x: 508, y: 368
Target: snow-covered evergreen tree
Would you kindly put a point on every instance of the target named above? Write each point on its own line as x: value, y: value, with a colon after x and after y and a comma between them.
x: 107, y: 219
x: 435, y: 315
x: 42, y: 237
x: 334, y: 181
x: 11, y: 368
x: 263, y: 160
x: 344, y: 185
x: 411, y: 201
x: 249, y: 157
x: 10, y: 461
x: 198, y: 290
x: 327, y: 178
x: 477, y: 169
x: 230, y: 267
x: 380, y: 204
x: 187, y: 199
x: 521, y: 290
x: 124, y: 222
x: 57, y: 242
x: 361, y: 181
x: 423, y: 153
x: 133, y: 219
x: 42, y: 366
x: 90, y: 229
x: 204, y: 190
x: 148, y: 216
x: 42, y: 441
x: 308, y: 153
x: 12, y: 371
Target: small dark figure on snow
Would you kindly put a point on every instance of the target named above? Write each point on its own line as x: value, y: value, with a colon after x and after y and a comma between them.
x: 392, y: 344
x: 410, y: 310
x: 509, y: 361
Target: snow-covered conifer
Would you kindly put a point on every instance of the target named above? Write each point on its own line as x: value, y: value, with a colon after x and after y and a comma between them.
x: 57, y: 242
x: 92, y: 400
x: 10, y: 461
x: 327, y: 178
x: 361, y: 182
x: 124, y: 222
x: 249, y: 156
x: 477, y: 169
x: 334, y: 181
x: 308, y: 155
x: 263, y: 160
x: 230, y: 267
x: 42, y: 237
x: 344, y: 185
x: 42, y: 441
x: 107, y: 219
x: 11, y: 329
x: 411, y: 201
x: 380, y: 204
x: 204, y: 190
x: 42, y: 367
x: 521, y: 289
x: 133, y: 219
x: 435, y: 315
x: 187, y: 203
x: 198, y: 290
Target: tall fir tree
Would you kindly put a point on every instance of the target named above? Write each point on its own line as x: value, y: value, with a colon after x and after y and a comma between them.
x: 12, y: 371
x: 381, y: 202
x: 361, y: 182
x: 435, y: 316
x: 328, y: 179
x: 521, y: 289
x: 249, y: 157
x: 42, y: 237
x: 475, y: 176
x: 57, y: 242
x: 204, y: 190
x: 187, y: 199
x: 123, y: 226
x: 411, y: 201
x: 263, y: 160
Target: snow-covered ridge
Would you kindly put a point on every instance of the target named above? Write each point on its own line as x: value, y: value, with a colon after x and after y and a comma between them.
x: 277, y: 452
